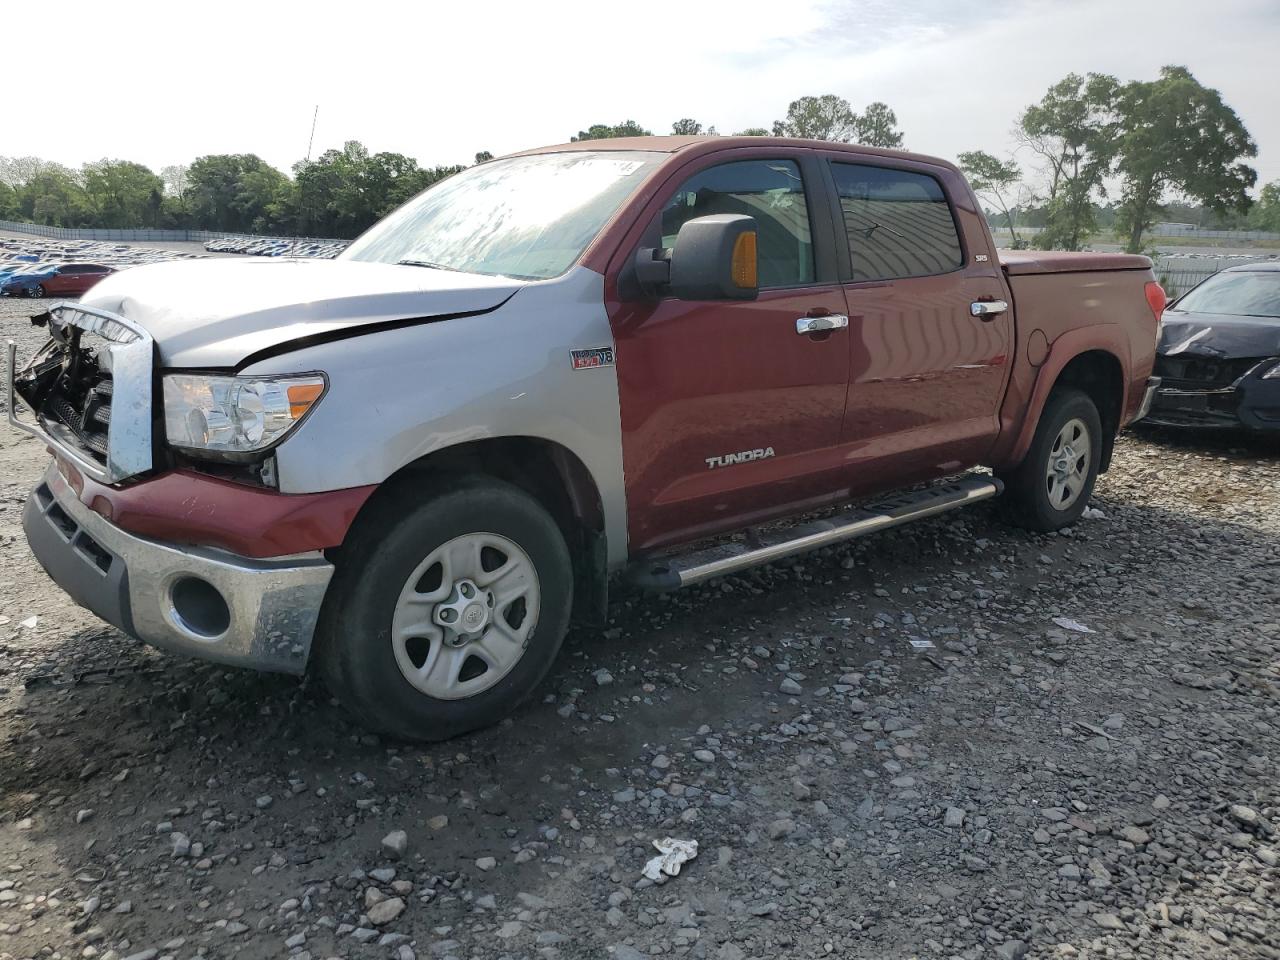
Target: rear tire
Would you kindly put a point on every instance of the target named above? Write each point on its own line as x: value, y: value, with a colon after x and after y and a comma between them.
x: 447, y: 609
x: 1051, y: 487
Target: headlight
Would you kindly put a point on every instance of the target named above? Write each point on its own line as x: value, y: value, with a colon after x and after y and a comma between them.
x: 1273, y: 373
x: 236, y: 414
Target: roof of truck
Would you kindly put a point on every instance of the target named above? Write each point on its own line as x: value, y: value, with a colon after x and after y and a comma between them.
x: 706, y: 143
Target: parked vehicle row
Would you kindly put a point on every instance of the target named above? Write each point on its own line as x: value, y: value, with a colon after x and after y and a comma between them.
x: 39, y: 267
x: 278, y: 247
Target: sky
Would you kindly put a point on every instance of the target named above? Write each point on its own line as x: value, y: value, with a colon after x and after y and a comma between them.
x: 163, y: 83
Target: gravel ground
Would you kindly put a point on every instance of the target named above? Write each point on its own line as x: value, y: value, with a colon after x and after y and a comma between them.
x: 1021, y: 789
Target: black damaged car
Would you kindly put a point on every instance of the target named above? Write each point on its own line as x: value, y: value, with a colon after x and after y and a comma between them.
x: 1219, y: 353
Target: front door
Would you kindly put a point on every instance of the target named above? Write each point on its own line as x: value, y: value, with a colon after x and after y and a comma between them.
x: 927, y: 377
x: 729, y: 413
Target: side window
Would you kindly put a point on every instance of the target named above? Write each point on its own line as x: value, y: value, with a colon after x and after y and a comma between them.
x: 769, y: 190
x: 898, y: 223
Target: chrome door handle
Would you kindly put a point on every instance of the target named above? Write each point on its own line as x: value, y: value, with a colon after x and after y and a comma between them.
x: 832, y: 321
x: 988, y: 310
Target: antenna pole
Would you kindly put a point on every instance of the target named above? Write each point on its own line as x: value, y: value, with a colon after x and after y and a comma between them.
x: 310, y: 142
x: 312, y: 139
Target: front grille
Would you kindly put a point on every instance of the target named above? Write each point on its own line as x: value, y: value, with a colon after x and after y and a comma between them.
x: 93, y: 359
x: 1191, y: 372
x: 88, y: 416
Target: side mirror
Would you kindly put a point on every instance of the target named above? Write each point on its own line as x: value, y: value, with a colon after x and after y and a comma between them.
x: 714, y: 259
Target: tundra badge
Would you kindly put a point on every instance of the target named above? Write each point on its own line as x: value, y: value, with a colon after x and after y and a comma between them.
x: 743, y: 456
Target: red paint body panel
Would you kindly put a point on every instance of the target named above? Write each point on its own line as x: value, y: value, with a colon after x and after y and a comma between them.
x: 930, y: 389
x: 1103, y: 311
x: 181, y: 506
x: 699, y: 380
x: 927, y: 378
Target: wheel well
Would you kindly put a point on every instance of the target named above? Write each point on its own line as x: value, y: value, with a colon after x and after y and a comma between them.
x: 549, y: 472
x: 1099, y: 374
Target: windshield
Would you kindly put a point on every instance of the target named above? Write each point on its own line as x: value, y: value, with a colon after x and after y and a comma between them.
x: 528, y: 217
x: 1243, y: 294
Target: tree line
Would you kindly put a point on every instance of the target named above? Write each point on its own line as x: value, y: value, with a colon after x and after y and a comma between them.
x: 338, y: 194
x: 1104, y: 155
x: 1118, y: 156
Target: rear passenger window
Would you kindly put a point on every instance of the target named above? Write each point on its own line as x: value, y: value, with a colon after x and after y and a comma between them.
x: 898, y: 223
x: 769, y: 190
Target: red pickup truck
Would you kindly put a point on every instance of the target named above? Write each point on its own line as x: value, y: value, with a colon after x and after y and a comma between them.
x: 627, y: 359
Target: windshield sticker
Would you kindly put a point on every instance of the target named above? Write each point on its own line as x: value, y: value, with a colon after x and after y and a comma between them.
x: 593, y: 357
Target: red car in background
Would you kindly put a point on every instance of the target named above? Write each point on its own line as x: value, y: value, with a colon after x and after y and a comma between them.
x: 69, y: 280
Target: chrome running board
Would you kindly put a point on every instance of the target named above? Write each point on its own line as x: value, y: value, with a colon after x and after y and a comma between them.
x: 683, y: 570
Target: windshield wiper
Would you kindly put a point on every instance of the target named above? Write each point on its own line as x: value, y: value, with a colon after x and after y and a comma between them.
x: 427, y: 263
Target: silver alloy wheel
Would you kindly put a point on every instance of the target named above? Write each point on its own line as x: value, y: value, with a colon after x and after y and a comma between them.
x: 465, y: 616
x: 1068, y: 466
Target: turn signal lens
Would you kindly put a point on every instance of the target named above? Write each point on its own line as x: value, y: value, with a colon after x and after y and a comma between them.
x: 743, y: 271
x: 302, y: 396
x: 1156, y: 298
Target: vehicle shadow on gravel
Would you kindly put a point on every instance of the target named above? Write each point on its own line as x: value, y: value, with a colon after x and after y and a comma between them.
x: 652, y: 652
x: 1228, y: 443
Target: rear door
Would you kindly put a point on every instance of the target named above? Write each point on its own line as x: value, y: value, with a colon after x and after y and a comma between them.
x: 927, y: 376
x: 730, y: 413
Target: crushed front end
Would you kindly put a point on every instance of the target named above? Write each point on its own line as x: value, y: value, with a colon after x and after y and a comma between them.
x: 1203, y: 390
x: 93, y: 520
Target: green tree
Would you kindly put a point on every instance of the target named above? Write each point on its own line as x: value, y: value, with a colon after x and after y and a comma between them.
x: 1072, y: 130
x: 18, y: 171
x: 878, y: 127
x: 122, y: 194
x: 8, y: 202
x: 688, y: 127
x: 55, y: 197
x: 230, y: 191
x: 484, y: 156
x: 752, y: 132
x: 343, y: 192
x: 602, y: 131
x: 1177, y: 135
x: 993, y: 180
x: 827, y: 117
x: 1265, y: 214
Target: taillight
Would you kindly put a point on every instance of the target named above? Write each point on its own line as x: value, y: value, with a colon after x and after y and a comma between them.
x: 1156, y: 298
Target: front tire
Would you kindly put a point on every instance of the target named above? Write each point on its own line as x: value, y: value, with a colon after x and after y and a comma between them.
x: 447, y: 609
x: 1051, y: 487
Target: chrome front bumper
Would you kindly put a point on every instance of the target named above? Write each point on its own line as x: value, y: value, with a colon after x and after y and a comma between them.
x: 196, y: 601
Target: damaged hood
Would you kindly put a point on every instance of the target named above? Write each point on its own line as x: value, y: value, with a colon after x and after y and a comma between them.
x: 1223, y: 336
x: 217, y: 312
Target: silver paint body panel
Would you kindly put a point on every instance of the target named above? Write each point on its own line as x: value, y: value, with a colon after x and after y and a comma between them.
x: 398, y: 395
x: 214, y: 313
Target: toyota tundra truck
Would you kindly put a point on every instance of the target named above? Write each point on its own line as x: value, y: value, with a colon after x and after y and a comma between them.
x: 646, y: 362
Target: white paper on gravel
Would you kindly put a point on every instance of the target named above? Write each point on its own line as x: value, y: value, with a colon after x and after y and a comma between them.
x: 673, y: 854
x: 1066, y: 623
